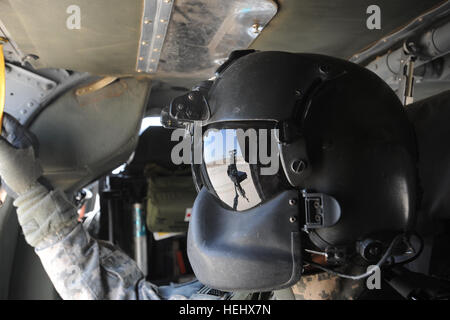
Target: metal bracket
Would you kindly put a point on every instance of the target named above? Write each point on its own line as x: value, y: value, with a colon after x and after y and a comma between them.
x: 153, y: 31
x: 168, y: 121
x: 95, y: 86
x: 10, y: 48
x: 321, y: 210
x: 190, y: 107
x: 406, y: 77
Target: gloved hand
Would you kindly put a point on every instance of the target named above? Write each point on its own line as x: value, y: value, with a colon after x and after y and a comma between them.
x: 19, y: 168
x: 45, y: 215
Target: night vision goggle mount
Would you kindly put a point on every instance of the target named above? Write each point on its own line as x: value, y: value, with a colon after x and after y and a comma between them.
x: 188, y: 108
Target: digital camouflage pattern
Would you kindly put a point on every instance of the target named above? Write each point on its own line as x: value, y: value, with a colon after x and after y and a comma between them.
x: 80, y: 266
x: 324, y: 286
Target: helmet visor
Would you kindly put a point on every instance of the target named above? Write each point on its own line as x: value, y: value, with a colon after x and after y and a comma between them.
x: 241, y: 166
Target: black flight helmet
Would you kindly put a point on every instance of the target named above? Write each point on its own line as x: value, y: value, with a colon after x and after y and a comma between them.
x: 346, y: 180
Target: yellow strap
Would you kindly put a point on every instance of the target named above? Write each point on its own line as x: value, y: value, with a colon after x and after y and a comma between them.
x: 2, y: 83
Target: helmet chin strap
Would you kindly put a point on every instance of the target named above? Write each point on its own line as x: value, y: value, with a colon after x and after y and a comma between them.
x: 383, y: 259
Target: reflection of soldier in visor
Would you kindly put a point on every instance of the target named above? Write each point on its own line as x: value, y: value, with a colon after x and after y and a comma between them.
x: 237, y: 177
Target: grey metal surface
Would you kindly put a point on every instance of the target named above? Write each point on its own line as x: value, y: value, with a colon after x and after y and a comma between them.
x: 106, y: 43
x: 25, y: 90
x: 336, y: 28
x: 201, y: 34
x: 28, y: 91
x: 10, y: 49
x: 423, y: 20
x: 428, y: 43
x: 422, y: 41
x: 155, y: 20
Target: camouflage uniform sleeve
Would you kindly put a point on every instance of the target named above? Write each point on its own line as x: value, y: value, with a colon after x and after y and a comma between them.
x: 324, y: 286
x: 79, y: 266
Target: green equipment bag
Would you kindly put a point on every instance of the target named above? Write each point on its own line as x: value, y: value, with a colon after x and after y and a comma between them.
x: 170, y: 196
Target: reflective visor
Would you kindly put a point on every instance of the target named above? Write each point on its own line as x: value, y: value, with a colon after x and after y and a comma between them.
x: 242, y: 166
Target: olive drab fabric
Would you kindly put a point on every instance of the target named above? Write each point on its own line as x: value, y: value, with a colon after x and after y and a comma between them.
x: 170, y: 195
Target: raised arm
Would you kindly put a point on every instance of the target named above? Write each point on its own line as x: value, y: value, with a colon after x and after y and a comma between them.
x: 79, y: 266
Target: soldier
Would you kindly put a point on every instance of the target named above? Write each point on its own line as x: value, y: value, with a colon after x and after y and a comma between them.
x: 346, y: 189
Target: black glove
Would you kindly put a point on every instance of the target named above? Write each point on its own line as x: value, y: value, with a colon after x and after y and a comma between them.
x: 19, y: 168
